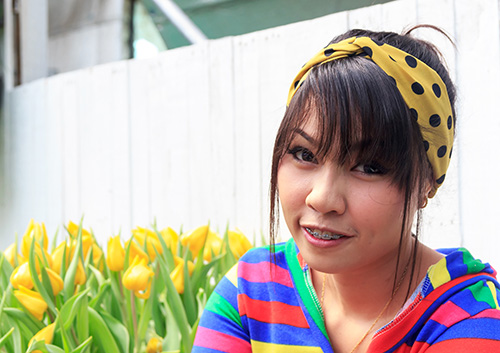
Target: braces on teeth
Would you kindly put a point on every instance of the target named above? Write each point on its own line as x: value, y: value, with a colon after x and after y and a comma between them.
x: 324, y: 236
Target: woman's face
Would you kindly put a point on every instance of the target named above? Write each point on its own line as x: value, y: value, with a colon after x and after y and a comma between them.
x: 343, y: 217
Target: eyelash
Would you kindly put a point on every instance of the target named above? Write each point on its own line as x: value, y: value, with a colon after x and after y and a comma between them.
x: 371, y: 168
x: 299, y: 149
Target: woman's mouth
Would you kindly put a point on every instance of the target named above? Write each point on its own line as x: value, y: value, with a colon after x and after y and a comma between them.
x: 319, y: 234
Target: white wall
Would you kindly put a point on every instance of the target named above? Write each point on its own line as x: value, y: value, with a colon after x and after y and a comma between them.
x: 186, y: 137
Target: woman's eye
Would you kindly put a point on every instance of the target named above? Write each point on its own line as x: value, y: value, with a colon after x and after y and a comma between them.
x: 302, y: 154
x: 371, y: 168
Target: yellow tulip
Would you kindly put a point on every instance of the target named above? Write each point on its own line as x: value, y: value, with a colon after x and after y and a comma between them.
x: 154, y: 346
x: 135, y: 250
x: 73, y: 230
x: 21, y: 277
x: 87, y: 242
x: 39, y: 233
x: 195, y: 240
x: 171, y: 238
x: 57, y: 257
x: 116, y: 254
x: 177, y: 275
x: 45, y: 334
x: 238, y: 243
x: 138, y: 277
x: 150, y: 238
x: 55, y: 281
x: 12, y: 256
x: 80, y: 276
x: 32, y: 301
x: 97, y: 257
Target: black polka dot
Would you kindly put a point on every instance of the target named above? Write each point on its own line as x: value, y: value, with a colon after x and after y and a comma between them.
x: 450, y: 122
x: 390, y: 57
x: 451, y: 151
x: 329, y: 52
x: 417, y: 88
x: 411, y: 61
x: 437, y: 90
x: 441, y: 179
x: 442, y: 151
x: 368, y: 51
x: 296, y: 84
x: 379, y: 43
x: 435, y: 120
x: 426, y: 145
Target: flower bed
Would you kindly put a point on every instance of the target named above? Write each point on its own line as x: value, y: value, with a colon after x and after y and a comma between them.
x: 143, y: 295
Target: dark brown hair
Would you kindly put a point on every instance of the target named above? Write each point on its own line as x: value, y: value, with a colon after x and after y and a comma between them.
x: 355, y: 101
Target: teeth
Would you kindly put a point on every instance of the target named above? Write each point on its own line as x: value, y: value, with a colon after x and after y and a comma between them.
x: 324, y: 235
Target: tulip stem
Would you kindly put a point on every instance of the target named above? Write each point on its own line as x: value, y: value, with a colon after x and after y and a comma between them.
x: 134, y: 320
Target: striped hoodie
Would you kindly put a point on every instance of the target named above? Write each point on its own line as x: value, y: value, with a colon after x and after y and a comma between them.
x: 265, y: 305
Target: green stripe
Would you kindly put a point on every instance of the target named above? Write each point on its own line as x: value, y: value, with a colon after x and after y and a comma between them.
x: 300, y: 284
x: 482, y: 293
x: 220, y: 306
x: 473, y: 265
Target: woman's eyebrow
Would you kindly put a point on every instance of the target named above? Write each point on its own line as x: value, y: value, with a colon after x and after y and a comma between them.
x: 302, y: 133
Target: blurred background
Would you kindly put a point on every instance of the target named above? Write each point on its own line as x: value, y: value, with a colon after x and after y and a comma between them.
x: 129, y: 112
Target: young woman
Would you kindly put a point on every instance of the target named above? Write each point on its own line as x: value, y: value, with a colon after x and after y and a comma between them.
x: 365, y: 142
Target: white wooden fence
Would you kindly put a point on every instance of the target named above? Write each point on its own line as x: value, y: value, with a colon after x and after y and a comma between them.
x: 186, y: 137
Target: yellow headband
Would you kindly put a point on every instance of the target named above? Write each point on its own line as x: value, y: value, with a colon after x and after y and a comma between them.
x: 422, y: 89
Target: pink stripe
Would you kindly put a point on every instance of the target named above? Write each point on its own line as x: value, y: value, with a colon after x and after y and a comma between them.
x: 264, y: 272
x: 449, y: 314
x: 212, y: 339
x: 489, y: 313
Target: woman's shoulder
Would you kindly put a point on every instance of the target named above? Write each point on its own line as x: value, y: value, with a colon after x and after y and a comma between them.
x: 266, y: 253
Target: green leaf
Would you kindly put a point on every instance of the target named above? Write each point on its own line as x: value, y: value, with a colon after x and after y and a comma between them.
x: 4, y: 338
x: 53, y: 349
x: 175, y: 303
x: 82, y: 319
x: 69, y: 278
x: 188, y: 297
x: 101, y: 294
x: 104, y: 340
x: 20, y: 316
x: 70, y: 309
x: 118, y: 330
x: 172, y: 340
x: 83, y: 347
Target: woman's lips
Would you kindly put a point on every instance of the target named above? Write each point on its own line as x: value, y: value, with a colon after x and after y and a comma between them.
x: 323, y: 238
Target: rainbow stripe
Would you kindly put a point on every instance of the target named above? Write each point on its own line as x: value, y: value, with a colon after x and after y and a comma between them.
x: 267, y: 304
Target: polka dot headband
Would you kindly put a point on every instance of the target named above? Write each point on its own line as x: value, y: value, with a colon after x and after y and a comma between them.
x: 422, y: 89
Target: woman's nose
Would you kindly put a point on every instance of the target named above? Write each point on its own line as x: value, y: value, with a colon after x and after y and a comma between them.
x: 327, y: 192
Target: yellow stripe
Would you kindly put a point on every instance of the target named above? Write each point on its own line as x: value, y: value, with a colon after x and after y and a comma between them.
x: 493, y: 290
x: 438, y: 273
x: 263, y: 347
x: 232, y: 275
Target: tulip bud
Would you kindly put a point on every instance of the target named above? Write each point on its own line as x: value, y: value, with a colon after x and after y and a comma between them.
x: 32, y: 301
x: 57, y: 257
x: 45, y: 334
x: 146, y: 236
x: 21, y: 277
x: 73, y: 230
x: 80, y: 276
x: 238, y: 243
x: 135, y: 250
x: 198, y: 237
x: 116, y: 254
x: 154, y: 346
x: 177, y: 275
x: 11, y: 255
x: 138, y: 277
x: 171, y: 238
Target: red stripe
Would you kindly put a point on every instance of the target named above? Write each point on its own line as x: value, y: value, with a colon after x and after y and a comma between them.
x: 264, y: 272
x: 271, y: 312
x: 212, y: 339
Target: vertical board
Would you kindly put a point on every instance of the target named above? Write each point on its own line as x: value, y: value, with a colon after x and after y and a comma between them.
x: 479, y: 73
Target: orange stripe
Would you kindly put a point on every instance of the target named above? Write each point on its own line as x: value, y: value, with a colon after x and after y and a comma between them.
x: 271, y: 312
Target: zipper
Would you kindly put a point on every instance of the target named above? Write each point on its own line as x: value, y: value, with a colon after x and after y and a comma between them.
x: 312, y: 292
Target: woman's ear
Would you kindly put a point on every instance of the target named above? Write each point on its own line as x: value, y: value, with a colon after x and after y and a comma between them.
x: 424, y: 197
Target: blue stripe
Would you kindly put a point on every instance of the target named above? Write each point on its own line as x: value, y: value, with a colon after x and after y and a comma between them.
x: 222, y: 324
x: 473, y: 328
x: 280, y: 333
x: 227, y: 290
x: 269, y: 291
